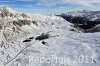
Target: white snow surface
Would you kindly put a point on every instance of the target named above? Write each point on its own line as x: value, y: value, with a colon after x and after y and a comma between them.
x: 90, y: 15
x: 62, y: 48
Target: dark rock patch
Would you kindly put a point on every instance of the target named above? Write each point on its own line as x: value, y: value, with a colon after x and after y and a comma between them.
x: 34, y: 22
x: 27, y: 40
x: 45, y: 43
x: 42, y: 37
x: 31, y: 38
x: 21, y: 22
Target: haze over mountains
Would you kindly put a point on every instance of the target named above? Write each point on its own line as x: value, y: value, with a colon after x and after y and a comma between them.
x: 49, y: 39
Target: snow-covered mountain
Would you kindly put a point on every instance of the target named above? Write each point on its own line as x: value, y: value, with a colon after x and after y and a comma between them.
x: 8, y: 12
x: 90, y: 15
x: 83, y: 19
x: 44, y: 40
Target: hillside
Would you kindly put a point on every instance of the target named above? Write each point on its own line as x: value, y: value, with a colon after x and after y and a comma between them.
x: 83, y: 19
x: 44, y: 40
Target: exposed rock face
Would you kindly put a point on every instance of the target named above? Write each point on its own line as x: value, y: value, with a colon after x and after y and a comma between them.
x: 8, y: 12
x: 12, y: 24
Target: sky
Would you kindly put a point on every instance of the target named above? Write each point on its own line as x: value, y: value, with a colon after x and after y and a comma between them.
x: 51, y: 6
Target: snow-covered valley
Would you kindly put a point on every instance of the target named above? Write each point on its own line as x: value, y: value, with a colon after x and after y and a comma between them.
x: 45, y: 40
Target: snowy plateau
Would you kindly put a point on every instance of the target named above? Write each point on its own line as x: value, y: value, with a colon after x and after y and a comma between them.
x: 45, y: 40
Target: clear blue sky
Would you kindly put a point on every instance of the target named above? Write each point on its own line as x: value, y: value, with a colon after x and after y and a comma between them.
x: 51, y: 6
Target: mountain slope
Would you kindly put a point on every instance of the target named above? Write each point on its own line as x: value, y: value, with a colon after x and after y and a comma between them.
x: 44, y: 40
x: 90, y: 15
x: 83, y: 19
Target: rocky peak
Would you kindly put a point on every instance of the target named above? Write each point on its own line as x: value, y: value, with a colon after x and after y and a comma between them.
x: 7, y: 11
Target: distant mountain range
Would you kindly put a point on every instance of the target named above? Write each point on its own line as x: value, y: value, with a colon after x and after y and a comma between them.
x: 83, y: 19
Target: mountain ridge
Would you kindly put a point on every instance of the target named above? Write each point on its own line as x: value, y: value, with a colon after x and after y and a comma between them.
x: 49, y: 39
x: 83, y: 19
